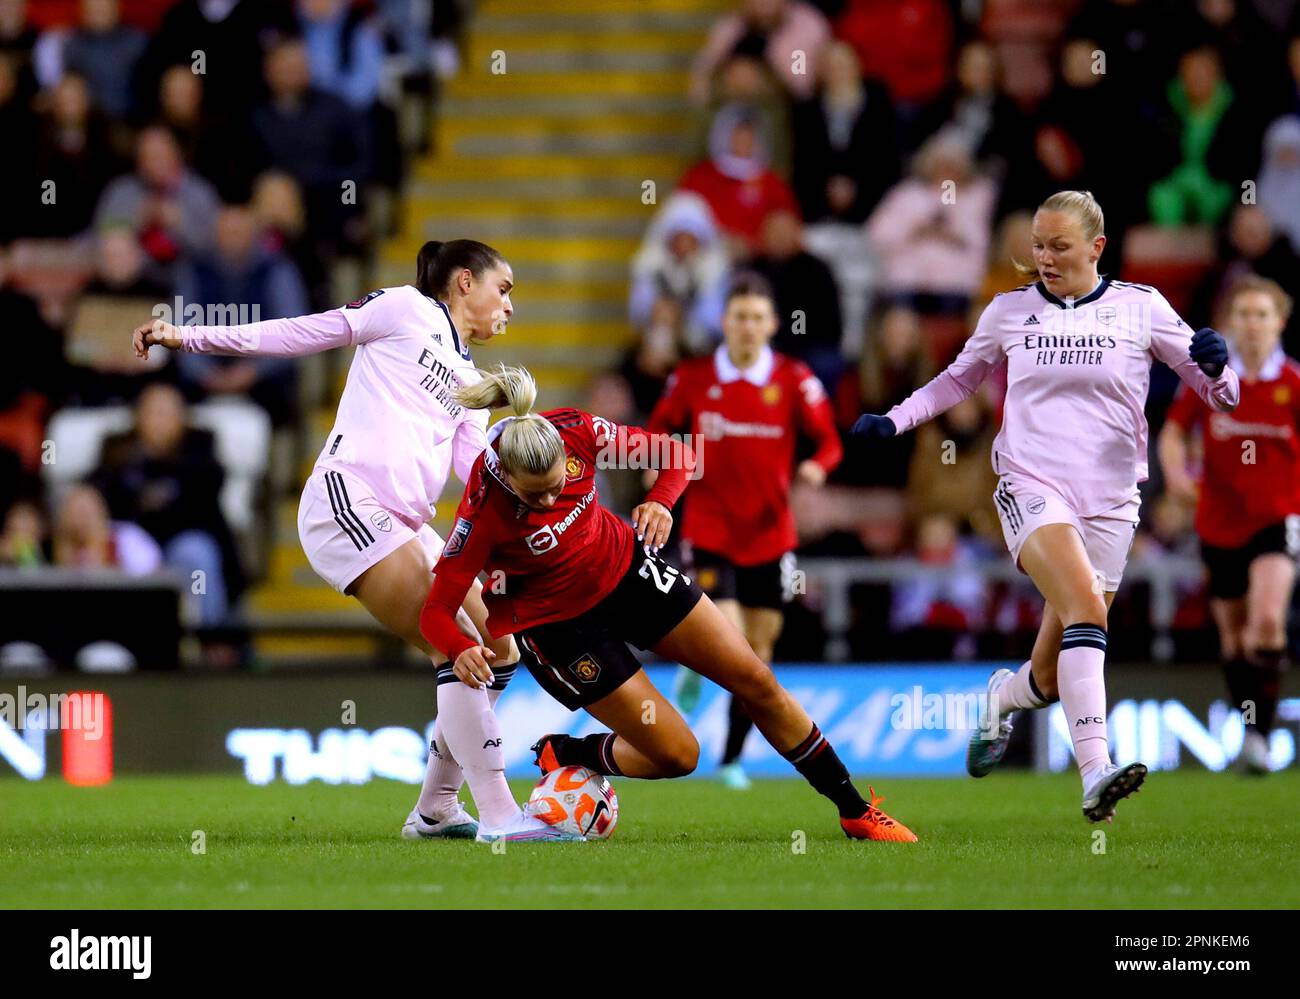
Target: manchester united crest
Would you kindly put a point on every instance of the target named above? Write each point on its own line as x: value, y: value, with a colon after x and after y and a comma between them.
x: 771, y: 394
x: 573, y: 468
x: 586, y: 669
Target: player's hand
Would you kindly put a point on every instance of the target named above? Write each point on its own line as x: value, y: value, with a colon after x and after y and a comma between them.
x: 472, y: 666
x: 653, y: 523
x: 1210, y: 351
x: 870, y: 426
x: 811, y: 473
x: 155, y: 332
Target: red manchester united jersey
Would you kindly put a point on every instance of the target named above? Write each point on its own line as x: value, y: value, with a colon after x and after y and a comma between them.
x: 746, y: 425
x: 542, y: 565
x: 1251, y: 478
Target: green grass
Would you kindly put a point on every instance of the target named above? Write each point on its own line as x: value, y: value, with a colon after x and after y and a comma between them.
x: 1191, y: 839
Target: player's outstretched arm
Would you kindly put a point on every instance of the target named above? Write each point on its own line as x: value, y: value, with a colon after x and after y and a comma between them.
x: 1200, y: 361
x: 295, y: 337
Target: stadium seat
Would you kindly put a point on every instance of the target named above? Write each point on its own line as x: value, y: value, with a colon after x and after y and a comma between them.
x: 243, y: 444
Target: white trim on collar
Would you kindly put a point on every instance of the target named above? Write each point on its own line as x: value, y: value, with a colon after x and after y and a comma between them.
x: 1269, y: 371
x: 759, y: 373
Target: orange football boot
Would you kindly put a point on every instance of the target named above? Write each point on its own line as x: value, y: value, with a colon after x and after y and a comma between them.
x: 875, y: 824
x: 545, y: 758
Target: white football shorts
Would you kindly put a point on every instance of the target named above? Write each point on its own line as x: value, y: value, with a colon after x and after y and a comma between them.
x: 1024, y: 505
x: 344, y: 530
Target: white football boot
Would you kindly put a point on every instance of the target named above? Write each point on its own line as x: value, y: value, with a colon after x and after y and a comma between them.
x: 1111, y: 786
x: 1254, y: 758
x: 457, y: 825
x: 984, y: 753
x: 526, y: 828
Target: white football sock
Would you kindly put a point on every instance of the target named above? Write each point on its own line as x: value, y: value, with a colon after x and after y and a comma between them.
x: 1081, y: 681
x: 443, y: 776
x: 1018, y: 693
x: 469, y: 726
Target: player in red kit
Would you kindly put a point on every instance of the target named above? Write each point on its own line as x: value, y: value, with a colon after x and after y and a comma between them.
x: 747, y: 408
x: 580, y: 584
x: 1248, y: 504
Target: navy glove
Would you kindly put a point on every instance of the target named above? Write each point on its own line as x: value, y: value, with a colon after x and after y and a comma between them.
x: 874, y: 426
x: 1210, y: 351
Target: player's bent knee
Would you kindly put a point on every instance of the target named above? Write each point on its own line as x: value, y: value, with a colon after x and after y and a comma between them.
x: 677, y: 758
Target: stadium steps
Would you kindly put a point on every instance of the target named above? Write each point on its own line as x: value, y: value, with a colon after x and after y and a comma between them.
x: 547, y: 161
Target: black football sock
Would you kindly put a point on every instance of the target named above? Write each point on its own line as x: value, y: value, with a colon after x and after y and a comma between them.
x: 595, y: 752
x: 819, y: 764
x: 738, y: 727
x: 1266, y: 664
x: 1241, y: 683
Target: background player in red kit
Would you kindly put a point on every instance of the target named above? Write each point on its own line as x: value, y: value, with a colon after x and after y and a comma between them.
x: 578, y: 587
x: 1248, y: 507
x: 746, y: 407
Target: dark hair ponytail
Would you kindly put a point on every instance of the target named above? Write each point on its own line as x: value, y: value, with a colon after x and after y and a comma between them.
x: 437, y: 262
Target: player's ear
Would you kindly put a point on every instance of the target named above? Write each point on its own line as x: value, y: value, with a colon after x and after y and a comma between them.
x: 465, y: 280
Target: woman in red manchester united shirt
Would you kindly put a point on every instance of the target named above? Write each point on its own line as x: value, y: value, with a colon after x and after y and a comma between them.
x: 1247, y: 503
x: 578, y: 587
x: 748, y: 406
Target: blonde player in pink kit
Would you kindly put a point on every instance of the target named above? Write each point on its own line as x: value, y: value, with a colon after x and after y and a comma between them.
x: 1070, y: 454
x: 363, y: 518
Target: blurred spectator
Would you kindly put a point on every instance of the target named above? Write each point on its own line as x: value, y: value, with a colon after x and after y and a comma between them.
x: 281, y: 217
x: 85, y: 537
x: 262, y: 283
x: 231, y: 36
x: 164, y: 476
x: 976, y: 110
x: 169, y: 207
x: 951, y: 474
x: 893, y: 366
x: 736, y: 180
x: 17, y: 40
x: 1203, y: 121
x: 75, y: 154
x: 33, y: 378
x: 17, y: 175
x: 119, y: 292
x: 747, y: 81
x: 104, y: 51
x: 1250, y: 245
x: 1061, y: 155
x: 681, y: 262
x: 846, y: 142
x: 206, y: 134
x: 344, y: 48
x: 932, y: 230
x: 1292, y: 90
x: 1134, y: 35
x: 1253, y: 59
x: 777, y: 31
x: 907, y: 44
x: 1279, y: 177
x: 807, y: 300
x: 315, y: 138
x: 22, y: 538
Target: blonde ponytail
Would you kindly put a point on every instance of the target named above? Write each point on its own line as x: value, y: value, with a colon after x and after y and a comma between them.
x: 1084, y: 207
x: 529, y: 443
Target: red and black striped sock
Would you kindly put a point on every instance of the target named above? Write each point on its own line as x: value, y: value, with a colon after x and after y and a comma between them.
x: 595, y: 752
x: 819, y: 764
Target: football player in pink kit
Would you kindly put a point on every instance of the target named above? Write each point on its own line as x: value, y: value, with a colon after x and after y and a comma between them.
x: 1070, y: 454
x: 363, y: 518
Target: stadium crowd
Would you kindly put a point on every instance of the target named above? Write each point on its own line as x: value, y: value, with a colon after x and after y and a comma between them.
x: 879, y: 162
x: 826, y: 132
x: 199, y: 154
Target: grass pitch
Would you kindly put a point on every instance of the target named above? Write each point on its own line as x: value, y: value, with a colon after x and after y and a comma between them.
x: 1189, y: 840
